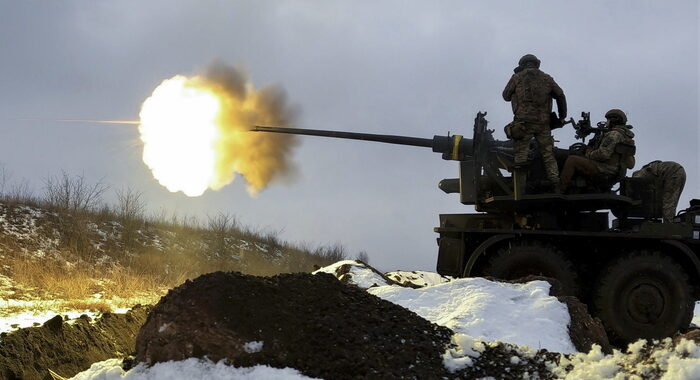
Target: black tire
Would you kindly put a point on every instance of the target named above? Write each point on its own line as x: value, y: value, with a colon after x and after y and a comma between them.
x: 524, y: 258
x: 643, y: 295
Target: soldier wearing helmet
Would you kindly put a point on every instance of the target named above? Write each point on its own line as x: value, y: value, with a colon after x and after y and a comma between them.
x: 616, y: 117
x: 530, y: 92
x: 606, y: 158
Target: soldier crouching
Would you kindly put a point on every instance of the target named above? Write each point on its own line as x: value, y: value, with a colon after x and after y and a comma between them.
x: 672, y: 176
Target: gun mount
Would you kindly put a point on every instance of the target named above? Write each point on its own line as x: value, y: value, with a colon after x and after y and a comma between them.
x: 568, y: 237
x: 482, y: 163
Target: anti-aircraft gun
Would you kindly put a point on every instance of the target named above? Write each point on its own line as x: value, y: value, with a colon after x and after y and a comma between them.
x: 638, y: 275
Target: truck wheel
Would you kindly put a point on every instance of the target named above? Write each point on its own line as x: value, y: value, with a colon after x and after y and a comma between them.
x: 643, y: 295
x: 525, y: 258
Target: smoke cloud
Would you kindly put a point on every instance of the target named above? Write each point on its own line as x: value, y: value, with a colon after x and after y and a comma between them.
x: 260, y: 158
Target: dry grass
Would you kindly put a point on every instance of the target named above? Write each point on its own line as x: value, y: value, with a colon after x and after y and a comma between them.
x: 78, y: 286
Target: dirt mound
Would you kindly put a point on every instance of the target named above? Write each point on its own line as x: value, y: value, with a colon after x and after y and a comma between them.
x: 584, y: 329
x: 68, y: 347
x: 312, y: 323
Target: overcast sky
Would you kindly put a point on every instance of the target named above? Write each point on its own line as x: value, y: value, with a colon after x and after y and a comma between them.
x: 392, y: 67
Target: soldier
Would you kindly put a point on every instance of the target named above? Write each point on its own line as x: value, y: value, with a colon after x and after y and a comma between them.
x: 672, y: 176
x: 604, y: 158
x: 530, y: 92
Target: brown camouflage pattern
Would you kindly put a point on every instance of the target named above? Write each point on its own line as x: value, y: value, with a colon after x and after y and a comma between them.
x: 530, y: 92
x: 543, y: 135
x: 603, y: 154
x: 576, y: 164
x: 672, y: 177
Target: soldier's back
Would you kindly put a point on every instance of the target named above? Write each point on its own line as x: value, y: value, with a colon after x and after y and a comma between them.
x: 665, y: 169
x: 533, y: 91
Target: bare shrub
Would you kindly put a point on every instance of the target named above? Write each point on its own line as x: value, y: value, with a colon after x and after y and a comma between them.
x: 4, y: 180
x: 21, y: 192
x: 222, y: 223
x: 130, y: 210
x: 72, y: 193
x: 219, y: 229
x: 331, y: 253
x: 130, y: 204
x: 363, y: 256
x: 75, y: 198
x: 272, y: 238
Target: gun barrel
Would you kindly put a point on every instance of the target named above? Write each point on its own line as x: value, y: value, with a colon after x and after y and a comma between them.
x: 389, y: 139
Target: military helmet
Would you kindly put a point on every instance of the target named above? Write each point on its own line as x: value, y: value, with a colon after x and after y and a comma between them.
x: 529, y: 58
x: 616, y: 114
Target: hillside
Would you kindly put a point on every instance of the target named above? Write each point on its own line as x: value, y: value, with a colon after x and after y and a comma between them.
x: 58, y: 259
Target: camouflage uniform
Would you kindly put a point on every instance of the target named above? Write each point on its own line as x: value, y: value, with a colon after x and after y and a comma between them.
x: 601, y: 159
x: 672, y: 176
x: 530, y: 92
x: 604, y: 156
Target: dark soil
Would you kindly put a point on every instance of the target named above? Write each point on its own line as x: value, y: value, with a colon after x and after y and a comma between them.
x: 68, y: 348
x: 497, y: 361
x: 323, y: 328
x: 312, y: 323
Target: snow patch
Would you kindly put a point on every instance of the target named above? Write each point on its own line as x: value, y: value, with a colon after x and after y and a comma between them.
x: 186, y: 369
x: 357, y: 274
x: 37, y: 318
x: 417, y: 278
x: 253, y: 347
x: 460, y: 357
x: 521, y: 314
x: 643, y: 360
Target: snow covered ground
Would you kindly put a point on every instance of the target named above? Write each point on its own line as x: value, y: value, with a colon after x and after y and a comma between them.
x: 479, y: 311
x: 522, y: 314
x: 186, y: 369
x: 28, y: 310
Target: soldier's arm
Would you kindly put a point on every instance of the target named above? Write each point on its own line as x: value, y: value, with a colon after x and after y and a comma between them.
x: 606, y: 148
x: 558, y: 95
x: 510, y: 89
